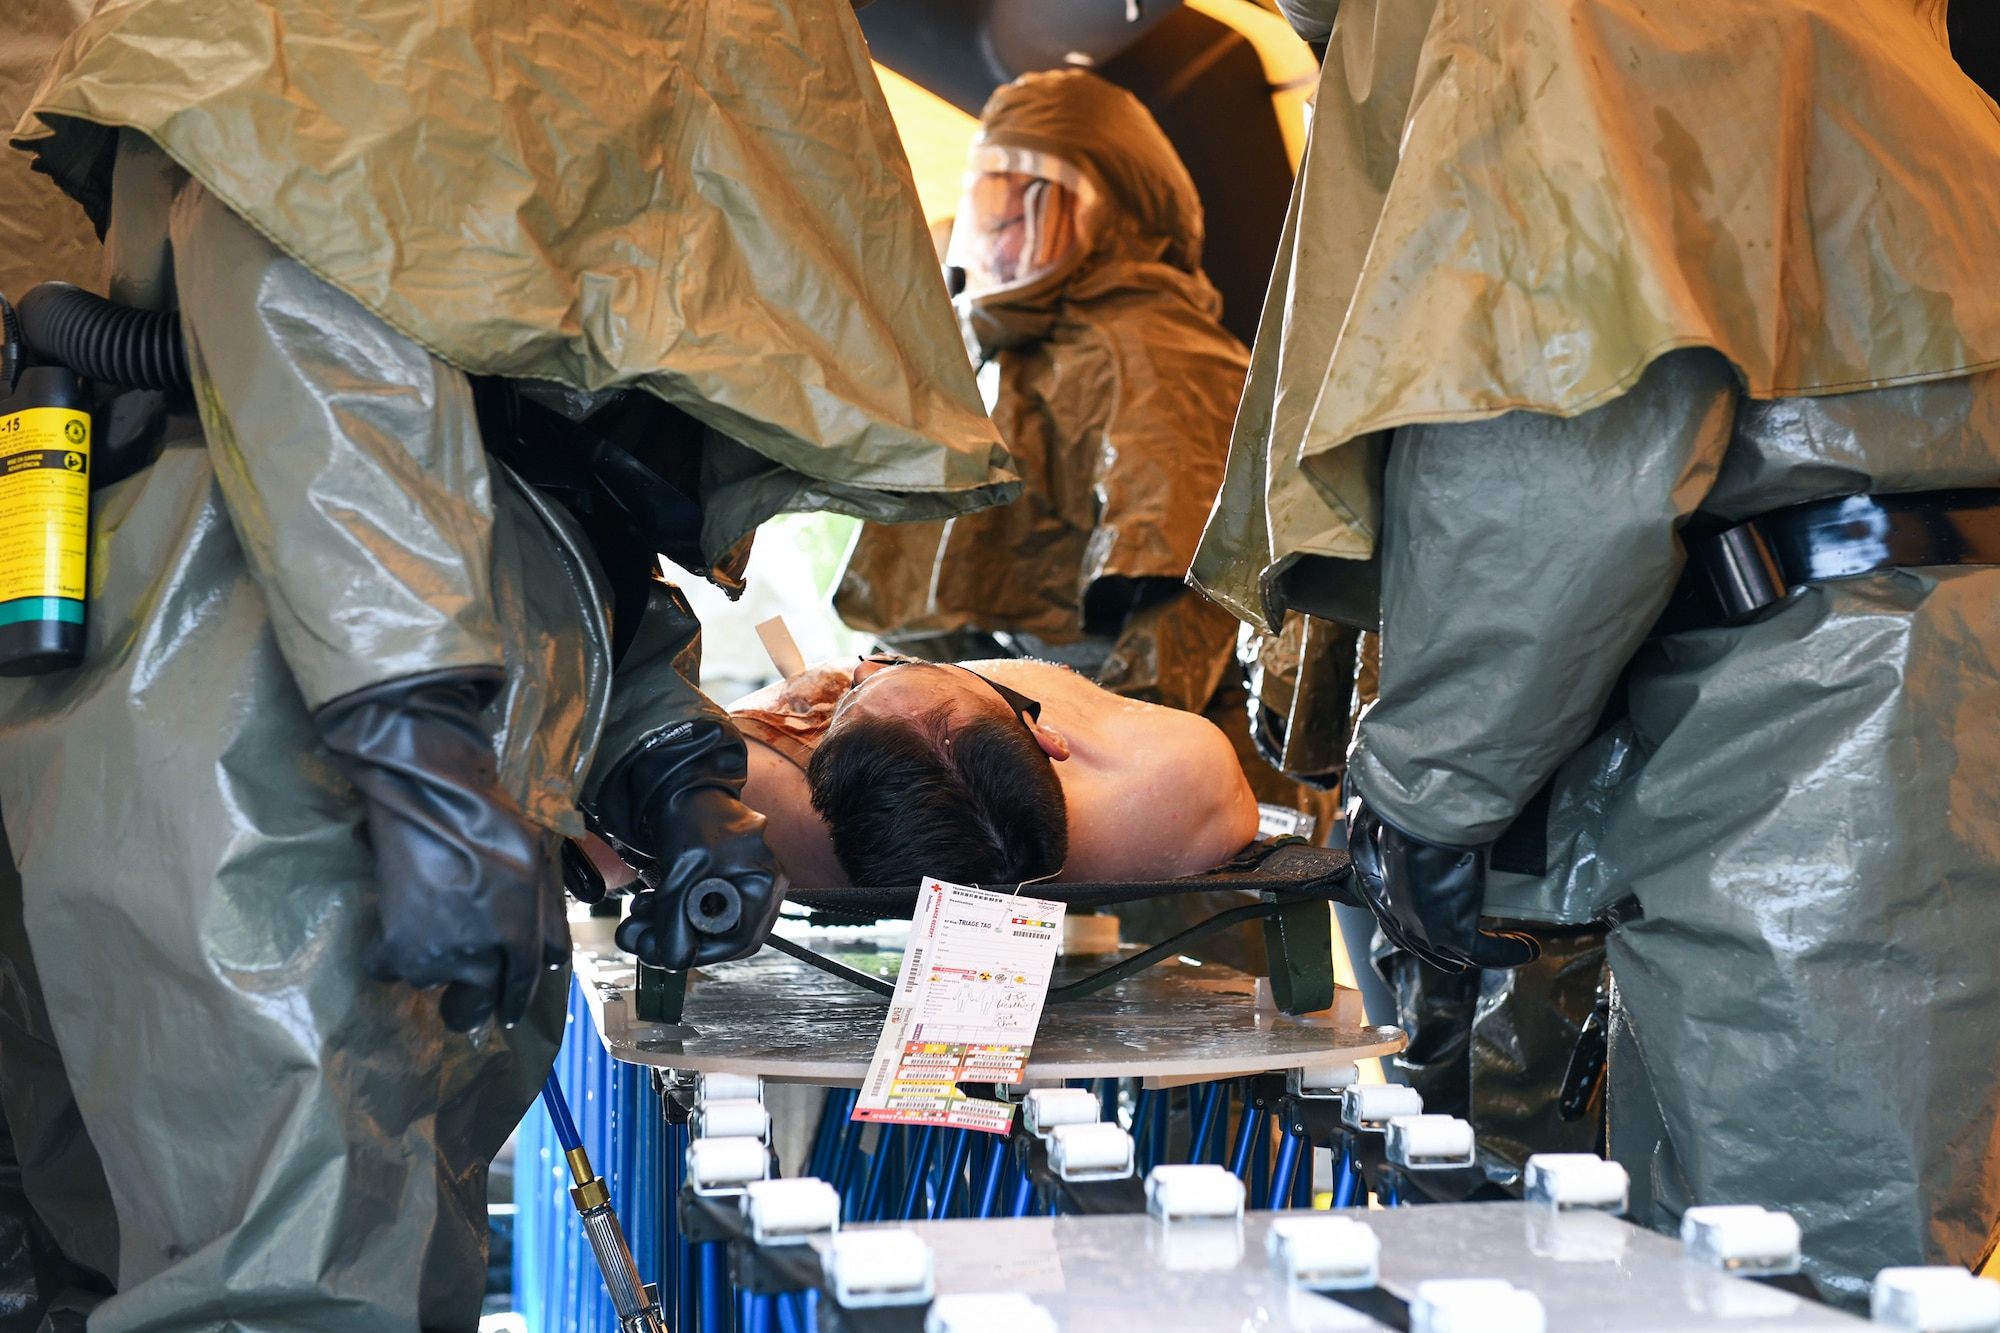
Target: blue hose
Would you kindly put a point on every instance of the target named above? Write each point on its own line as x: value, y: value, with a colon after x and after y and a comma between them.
x: 552, y: 1097
x: 1247, y: 1131
x: 1281, y: 1172
x: 713, y: 1261
x: 1024, y: 1193
x: 1345, y: 1175
x: 913, y: 1203
x: 989, y: 1189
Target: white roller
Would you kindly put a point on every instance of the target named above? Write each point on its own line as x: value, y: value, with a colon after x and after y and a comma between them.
x: 720, y: 1086
x: 873, y: 1268
x: 1742, y: 1239
x: 1576, y: 1180
x: 725, y: 1166
x: 1372, y: 1105
x: 1475, y: 1305
x: 1935, y: 1300
x: 1423, y: 1142
x: 1099, y: 1151
x: 987, y: 1312
x: 731, y: 1118
x: 788, y: 1211
x: 1324, y: 1253
x: 1045, y: 1108
x: 1322, y: 1080
x: 1178, y: 1191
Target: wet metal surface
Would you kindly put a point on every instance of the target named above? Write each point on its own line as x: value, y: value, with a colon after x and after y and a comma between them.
x: 1591, y: 1271
x: 777, y: 1017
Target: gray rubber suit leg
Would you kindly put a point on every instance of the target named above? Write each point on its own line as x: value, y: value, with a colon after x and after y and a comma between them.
x: 289, y: 1146
x: 1812, y: 989
x: 1523, y: 560
x: 58, y: 1230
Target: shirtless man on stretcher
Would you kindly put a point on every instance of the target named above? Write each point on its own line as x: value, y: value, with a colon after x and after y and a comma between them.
x: 881, y: 771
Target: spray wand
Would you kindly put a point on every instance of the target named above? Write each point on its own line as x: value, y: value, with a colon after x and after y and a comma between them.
x: 637, y: 1304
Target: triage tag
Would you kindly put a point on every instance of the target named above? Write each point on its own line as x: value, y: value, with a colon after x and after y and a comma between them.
x: 969, y: 998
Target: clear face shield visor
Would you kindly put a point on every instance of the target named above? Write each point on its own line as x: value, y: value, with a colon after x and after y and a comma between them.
x: 1024, y: 216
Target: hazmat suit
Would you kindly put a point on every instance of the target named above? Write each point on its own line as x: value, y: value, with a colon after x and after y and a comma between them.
x: 1113, y: 385
x: 1571, y: 290
x: 44, y: 236
x: 351, y: 670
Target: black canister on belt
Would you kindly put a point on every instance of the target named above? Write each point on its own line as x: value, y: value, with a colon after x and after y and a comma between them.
x: 44, y: 521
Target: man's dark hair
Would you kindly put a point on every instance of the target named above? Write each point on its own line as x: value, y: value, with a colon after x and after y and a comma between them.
x: 976, y: 803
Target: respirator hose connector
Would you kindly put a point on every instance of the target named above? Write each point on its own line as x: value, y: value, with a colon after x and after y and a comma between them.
x: 100, y: 340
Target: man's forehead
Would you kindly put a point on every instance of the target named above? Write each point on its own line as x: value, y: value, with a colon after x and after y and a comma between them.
x: 906, y: 688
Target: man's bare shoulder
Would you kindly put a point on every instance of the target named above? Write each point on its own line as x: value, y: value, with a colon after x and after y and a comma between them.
x: 1153, y: 792
x: 1050, y: 676
x: 1084, y: 706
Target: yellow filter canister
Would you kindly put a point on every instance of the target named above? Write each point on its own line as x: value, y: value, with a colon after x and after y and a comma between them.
x: 44, y: 521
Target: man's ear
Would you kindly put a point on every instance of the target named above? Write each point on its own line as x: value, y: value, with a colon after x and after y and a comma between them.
x: 1052, y: 742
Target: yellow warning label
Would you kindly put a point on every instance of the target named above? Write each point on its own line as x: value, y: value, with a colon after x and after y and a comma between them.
x: 44, y: 502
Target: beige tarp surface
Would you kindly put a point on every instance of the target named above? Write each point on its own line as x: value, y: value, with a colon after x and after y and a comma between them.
x: 1581, y: 186
x: 706, y: 200
x: 43, y: 235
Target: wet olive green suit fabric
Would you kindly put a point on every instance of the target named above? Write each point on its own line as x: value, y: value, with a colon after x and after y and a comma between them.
x: 1562, y: 275
x: 346, y: 227
x: 1114, y: 389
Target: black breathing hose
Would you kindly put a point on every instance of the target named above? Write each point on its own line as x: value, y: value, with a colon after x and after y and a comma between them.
x: 113, y: 344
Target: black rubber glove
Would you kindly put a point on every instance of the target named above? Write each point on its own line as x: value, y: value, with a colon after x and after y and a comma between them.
x: 716, y: 888
x: 470, y: 896
x: 1427, y: 896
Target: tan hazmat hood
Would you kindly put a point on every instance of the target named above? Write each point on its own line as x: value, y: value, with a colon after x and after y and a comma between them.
x: 1520, y: 204
x: 706, y: 200
x: 43, y: 236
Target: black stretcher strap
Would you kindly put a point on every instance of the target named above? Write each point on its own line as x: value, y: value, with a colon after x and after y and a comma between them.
x: 1075, y: 990
x: 1754, y: 564
x: 1284, y: 865
x: 1284, y: 871
x: 852, y: 976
